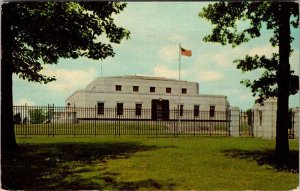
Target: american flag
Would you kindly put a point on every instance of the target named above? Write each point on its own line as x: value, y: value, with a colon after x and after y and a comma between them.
x: 185, y: 52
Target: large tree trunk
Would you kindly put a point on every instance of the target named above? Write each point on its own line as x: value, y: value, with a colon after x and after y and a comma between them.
x: 8, y: 141
x: 283, y: 74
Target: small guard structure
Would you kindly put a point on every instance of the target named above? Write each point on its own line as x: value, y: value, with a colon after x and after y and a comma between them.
x: 264, y: 119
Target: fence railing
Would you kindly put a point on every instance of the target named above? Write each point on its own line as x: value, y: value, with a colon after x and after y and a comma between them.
x: 246, y: 123
x: 52, y: 120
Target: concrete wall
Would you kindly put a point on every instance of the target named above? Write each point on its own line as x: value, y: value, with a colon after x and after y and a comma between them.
x: 107, y: 84
x: 234, y: 121
x: 102, y: 90
x: 129, y: 102
x: 265, y: 119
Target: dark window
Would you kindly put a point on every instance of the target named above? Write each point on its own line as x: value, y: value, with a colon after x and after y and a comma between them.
x: 212, y: 111
x: 183, y: 90
x: 152, y: 89
x: 138, y: 109
x: 135, y: 88
x: 100, y: 108
x: 196, y: 110
x: 260, y: 118
x: 168, y: 90
x: 181, y: 110
x: 118, y: 88
x: 119, y: 108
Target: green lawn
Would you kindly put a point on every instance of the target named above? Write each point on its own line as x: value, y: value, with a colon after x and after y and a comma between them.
x: 123, y: 128
x: 92, y: 128
x: 143, y: 163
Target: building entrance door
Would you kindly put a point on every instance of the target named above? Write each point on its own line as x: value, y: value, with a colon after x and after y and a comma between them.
x: 160, y: 109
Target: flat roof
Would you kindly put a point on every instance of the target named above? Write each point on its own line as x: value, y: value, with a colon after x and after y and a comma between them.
x: 140, y: 77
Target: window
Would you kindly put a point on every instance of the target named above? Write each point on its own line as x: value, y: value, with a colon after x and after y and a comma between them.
x: 183, y: 90
x: 212, y: 111
x: 196, y: 110
x: 100, y: 108
x: 181, y: 110
x: 119, y: 108
x: 168, y: 90
x: 138, y: 109
x: 152, y: 89
x: 135, y: 88
x: 260, y: 118
x: 118, y: 88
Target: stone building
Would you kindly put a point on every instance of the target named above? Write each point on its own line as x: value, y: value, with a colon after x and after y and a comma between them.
x: 264, y: 120
x: 142, y: 92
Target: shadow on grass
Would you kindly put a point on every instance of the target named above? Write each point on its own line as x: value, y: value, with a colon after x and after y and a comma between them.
x: 70, y: 166
x: 267, y: 157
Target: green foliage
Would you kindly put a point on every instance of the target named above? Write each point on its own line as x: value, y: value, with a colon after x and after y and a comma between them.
x: 43, y: 32
x: 37, y: 116
x: 25, y: 120
x: 225, y: 17
x: 266, y: 85
x: 17, y: 118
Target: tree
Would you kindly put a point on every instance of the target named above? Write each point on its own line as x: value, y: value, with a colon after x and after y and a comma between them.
x: 17, y: 118
x: 277, y: 80
x: 37, y: 33
x: 37, y: 116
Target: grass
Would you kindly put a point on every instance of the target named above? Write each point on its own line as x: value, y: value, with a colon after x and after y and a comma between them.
x: 90, y: 129
x: 147, y: 163
x: 123, y: 128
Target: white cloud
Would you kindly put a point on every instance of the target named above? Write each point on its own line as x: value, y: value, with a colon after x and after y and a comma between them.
x: 246, y: 96
x: 216, y: 59
x: 223, y: 60
x: 69, y: 80
x: 176, y: 38
x: 162, y: 71
x: 169, y: 53
x: 207, y: 76
x: 24, y: 101
x: 265, y: 50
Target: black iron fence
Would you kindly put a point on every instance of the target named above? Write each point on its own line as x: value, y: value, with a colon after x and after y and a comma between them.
x: 291, y: 130
x: 52, y: 120
x: 246, y: 123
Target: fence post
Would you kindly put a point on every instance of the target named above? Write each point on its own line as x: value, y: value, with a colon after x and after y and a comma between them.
x: 139, y: 118
x: 48, y: 125
x: 228, y: 117
x: 53, y: 123
x: 74, y: 129
x: 27, y: 114
x: 174, y: 121
x: 252, y: 123
x: 95, y: 123
x: 293, y: 123
x: 115, y: 114
x: 234, y: 121
x: 119, y: 123
x: 193, y: 113
x: 240, y: 123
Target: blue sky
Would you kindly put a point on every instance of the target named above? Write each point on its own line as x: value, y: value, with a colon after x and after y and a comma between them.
x: 156, y: 29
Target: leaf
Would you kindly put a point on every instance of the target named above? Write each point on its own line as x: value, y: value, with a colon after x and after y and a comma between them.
x: 43, y: 32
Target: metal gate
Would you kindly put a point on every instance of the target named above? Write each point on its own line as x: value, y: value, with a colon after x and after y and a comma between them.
x: 246, y: 123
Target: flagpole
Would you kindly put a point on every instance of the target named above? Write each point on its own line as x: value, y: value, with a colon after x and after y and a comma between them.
x: 179, y: 91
